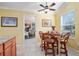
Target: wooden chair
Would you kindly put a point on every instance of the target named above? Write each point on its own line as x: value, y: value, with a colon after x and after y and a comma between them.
x: 63, y: 43
x: 48, y: 44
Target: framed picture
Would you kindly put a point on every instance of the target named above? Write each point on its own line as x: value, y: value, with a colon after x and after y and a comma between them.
x: 46, y: 23
x: 9, y: 21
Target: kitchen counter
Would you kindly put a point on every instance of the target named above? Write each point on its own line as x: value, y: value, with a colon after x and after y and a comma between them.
x: 5, y: 38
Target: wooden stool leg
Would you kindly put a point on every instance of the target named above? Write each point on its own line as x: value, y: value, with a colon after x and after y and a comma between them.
x: 66, y: 52
x: 64, y: 48
x: 43, y: 45
x: 45, y: 48
x: 42, y: 48
x: 45, y: 51
x: 57, y: 48
x: 53, y: 49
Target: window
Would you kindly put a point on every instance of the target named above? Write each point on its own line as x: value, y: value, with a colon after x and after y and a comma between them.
x: 68, y: 23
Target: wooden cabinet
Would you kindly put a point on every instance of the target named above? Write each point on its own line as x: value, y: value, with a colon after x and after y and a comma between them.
x: 9, y: 47
x: 1, y: 49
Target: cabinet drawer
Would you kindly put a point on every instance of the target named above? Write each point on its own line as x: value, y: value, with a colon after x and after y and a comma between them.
x: 7, y: 44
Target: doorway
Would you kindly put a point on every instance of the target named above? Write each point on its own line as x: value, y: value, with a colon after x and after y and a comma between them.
x: 29, y: 27
x: 31, y: 45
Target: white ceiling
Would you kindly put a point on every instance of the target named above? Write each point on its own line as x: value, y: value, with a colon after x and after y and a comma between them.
x: 26, y: 6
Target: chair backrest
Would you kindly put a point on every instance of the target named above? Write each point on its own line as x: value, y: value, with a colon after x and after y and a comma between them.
x: 46, y: 35
x: 53, y: 37
x: 66, y: 37
x: 40, y: 34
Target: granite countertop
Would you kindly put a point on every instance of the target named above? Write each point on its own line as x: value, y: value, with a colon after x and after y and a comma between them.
x: 4, y: 38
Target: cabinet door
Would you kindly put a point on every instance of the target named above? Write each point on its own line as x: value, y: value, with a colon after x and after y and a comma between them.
x: 1, y: 49
x: 7, y: 47
x: 7, y: 52
x: 1, y: 53
x: 10, y: 47
x: 14, y: 50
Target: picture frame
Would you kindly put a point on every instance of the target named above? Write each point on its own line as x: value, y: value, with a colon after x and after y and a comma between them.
x: 9, y: 21
x: 46, y: 23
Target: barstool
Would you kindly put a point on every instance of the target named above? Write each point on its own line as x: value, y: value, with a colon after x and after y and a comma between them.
x: 63, y: 43
x: 48, y: 44
x: 53, y: 37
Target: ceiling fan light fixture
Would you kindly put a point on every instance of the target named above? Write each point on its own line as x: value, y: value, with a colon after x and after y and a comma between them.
x: 47, y: 7
x: 46, y: 12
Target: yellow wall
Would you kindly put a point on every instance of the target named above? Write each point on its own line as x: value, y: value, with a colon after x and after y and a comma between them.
x: 19, y: 31
x: 66, y: 7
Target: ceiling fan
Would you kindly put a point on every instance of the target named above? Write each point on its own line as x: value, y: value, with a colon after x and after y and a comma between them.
x: 45, y: 7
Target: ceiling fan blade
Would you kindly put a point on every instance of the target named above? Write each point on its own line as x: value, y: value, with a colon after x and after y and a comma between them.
x: 52, y: 9
x: 42, y: 5
x: 52, y: 4
x: 41, y: 10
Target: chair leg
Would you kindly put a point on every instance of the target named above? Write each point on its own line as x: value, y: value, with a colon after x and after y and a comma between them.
x: 66, y: 52
x: 42, y: 47
x: 65, y: 48
x: 45, y: 48
x: 53, y: 50
x: 57, y: 48
x: 45, y: 53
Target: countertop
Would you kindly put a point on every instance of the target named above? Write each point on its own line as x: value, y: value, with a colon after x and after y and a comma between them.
x: 5, y: 38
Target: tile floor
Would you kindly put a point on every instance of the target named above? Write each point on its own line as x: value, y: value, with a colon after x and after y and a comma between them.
x: 32, y: 48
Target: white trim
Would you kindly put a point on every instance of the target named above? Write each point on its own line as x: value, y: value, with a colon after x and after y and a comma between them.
x: 23, y: 29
